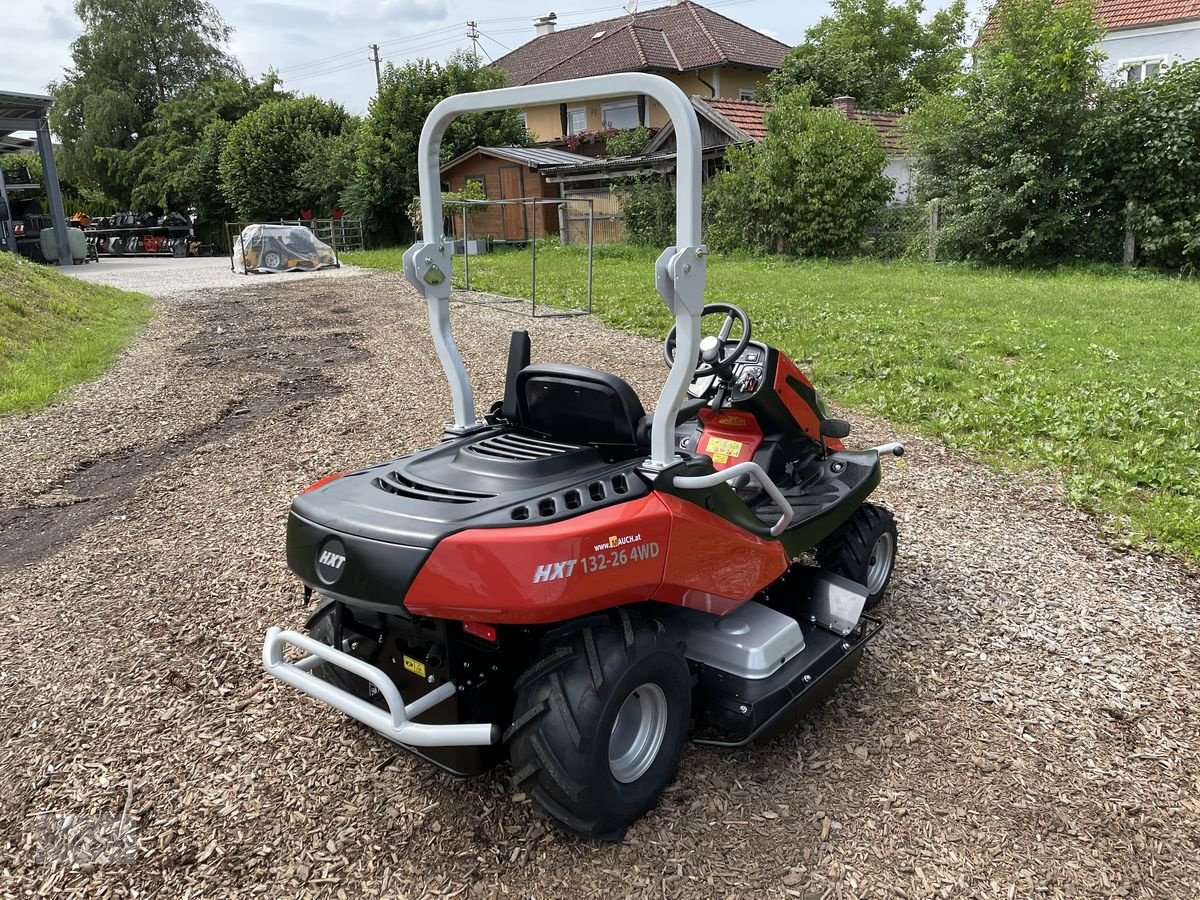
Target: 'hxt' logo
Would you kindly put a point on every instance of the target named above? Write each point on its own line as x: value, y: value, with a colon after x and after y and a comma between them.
x: 333, y: 560
x: 554, y: 571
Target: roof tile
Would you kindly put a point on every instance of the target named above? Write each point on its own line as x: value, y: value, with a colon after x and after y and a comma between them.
x: 748, y: 116
x: 672, y: 38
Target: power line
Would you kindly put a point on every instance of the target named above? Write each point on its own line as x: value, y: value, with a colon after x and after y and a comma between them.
x: 335, y: 69
x: 497, y: 43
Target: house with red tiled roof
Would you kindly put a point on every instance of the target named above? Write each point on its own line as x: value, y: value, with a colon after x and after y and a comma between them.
x: 1143, y: 36
x: 700, y: 50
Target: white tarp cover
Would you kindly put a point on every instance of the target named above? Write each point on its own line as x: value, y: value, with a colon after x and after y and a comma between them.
x: 280, y: 248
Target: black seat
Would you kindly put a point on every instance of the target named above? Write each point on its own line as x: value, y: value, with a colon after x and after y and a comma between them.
x: 578, y: 405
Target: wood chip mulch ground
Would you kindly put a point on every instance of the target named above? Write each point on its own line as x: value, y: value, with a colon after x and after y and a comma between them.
x: 1027, y: 725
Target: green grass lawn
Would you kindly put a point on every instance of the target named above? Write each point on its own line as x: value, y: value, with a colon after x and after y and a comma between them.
x: 1095, y: 374
x: 56, y: 331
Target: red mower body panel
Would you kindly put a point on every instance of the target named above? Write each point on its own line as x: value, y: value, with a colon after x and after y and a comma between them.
x: 799, y: 396
x: 654, y: 547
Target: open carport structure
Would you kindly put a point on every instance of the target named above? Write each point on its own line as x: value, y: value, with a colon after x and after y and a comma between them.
x: 30, y: 112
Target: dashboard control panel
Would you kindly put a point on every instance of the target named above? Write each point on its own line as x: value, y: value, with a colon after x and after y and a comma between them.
x: 747, y: 376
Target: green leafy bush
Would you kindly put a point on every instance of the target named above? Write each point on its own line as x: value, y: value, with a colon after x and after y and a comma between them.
x: 809, y: 189
x: 266, y: 154
x: 1144, y: 150
x: 451, y: 210
x: 629, y: 141
x: 648, y: 209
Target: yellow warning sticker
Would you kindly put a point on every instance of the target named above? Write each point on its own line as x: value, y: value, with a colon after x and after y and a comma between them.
x: 720, y: 458
x: 724, y: 447
x: 414, y: 666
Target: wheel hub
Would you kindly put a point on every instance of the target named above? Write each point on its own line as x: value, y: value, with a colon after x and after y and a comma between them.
x: 637, y: 733
x: 879, y: 566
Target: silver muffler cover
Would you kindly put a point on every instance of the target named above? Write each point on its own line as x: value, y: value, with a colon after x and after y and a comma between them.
x: 753, y: 641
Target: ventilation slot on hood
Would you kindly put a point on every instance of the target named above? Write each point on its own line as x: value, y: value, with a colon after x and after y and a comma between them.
x: 404, y: 486
x: 518, y: 447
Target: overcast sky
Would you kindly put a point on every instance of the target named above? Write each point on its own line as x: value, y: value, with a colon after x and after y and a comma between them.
x: 320, y: 46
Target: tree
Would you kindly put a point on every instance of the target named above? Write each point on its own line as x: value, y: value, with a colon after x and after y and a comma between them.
x: 879, y: 53
x: 386, y: 172
x: 267, y: 154
x: 810, y: 188
x: 200, y: 181
x: 163, y: 156
x: 133, y: 56
x: 1004, y: 152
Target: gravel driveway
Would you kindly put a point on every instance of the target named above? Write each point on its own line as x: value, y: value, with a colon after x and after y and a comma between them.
x: 1028, y: 724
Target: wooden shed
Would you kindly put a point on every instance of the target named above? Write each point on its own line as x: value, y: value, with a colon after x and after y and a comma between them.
x: 511, y: 174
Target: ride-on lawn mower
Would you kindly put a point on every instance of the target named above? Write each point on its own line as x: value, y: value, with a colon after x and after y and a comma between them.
x: 569, y: 582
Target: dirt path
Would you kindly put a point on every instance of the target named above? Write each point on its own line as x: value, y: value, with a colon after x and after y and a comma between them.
x: 1028, y: 724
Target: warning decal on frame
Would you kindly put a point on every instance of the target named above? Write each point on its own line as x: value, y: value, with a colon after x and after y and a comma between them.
x: 723, y: 447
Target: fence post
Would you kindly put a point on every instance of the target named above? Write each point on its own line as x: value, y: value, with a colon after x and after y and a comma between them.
x: 935, y: 215
x: 1130, y: 249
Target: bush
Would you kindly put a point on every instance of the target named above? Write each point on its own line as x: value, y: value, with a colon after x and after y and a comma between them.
x: 628, y: 142
x: 648, y: 209
x: 810, y: 188
x: 1145, y: 149
x: 1005, y: 152
x: 451, y: 211
x: 267, y: 154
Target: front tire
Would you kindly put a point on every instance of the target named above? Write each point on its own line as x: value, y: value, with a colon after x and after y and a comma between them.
x: 321, y: 628
x: 599, y: 723
x: 863, y: 549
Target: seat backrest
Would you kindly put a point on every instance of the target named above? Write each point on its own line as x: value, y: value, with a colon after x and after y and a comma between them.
x: 578, y: 405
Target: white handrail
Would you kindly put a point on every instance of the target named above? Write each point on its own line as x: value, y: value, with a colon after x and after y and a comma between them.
x: 755, y: 471
x: 679, y: 272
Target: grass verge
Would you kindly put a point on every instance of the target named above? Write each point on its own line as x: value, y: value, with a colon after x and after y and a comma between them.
x: 56, y: 331
x: 1089, y: 373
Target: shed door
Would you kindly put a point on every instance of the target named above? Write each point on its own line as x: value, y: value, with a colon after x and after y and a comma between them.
x: 512, y: 188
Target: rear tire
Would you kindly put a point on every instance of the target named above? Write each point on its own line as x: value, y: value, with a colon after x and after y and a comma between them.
x: 599, y: 723
x: 863, y: 549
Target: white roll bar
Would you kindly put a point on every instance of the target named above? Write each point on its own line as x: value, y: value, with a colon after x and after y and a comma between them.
x: 679, y: 271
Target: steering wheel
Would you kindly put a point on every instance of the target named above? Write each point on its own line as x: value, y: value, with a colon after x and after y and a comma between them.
x: 712, y: 355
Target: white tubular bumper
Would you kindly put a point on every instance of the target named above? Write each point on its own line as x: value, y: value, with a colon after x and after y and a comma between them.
x: 394, y: 723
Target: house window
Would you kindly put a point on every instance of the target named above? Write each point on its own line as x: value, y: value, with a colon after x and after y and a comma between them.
x: 576, y: 120
x: 621, y: 114
x: 747, y: 94
x: 1141, y: 69
x: 480, y: 180
x: 524, y: 120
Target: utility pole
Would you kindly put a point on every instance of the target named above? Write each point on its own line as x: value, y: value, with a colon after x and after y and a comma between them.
x: 375, y: 57
x: 473, y: 34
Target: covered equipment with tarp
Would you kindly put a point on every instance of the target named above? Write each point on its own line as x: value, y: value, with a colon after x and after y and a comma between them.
x: 280, y: 248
